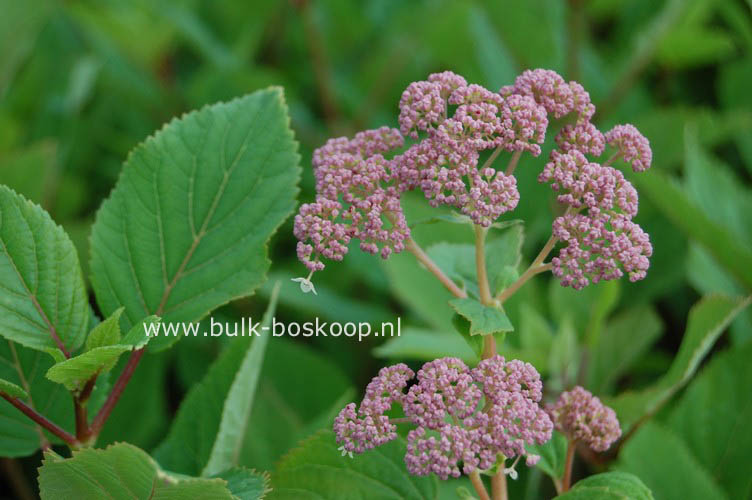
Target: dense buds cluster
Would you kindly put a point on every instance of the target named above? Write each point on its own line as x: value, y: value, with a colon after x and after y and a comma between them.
x: 355, y: 199
x: 454, y: 125
x: 466, y: 420
x: 601, y: 240
x: 582, y: 417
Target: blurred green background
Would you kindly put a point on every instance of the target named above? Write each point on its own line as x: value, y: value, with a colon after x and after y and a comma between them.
x: 82, y: 82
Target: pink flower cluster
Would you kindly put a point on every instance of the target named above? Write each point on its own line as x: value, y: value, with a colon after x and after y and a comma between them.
x: 359, y: 181
x: 444, y: 162
x: 355, y: 194
x: 582, y: 417
x: 465, y: 419
x: 601, y: 240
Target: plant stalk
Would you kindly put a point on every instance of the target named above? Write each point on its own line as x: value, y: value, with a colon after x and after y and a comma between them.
x: 424, y: 259
x: 42, y: 420
x: 499, y: 486
x: 480, y: 489
x: 535, y: 268
x: 567, y: 481
x: 117, y: 391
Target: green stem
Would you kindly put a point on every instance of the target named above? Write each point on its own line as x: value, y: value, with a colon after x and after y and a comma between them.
x: 536, y: 267
x: 480, y: 265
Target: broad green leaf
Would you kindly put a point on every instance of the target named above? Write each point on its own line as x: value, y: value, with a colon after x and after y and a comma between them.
x: 418, y: 290
x: 609, y: 486
x: 73, y: 373
x: 43, y: 296
x: 144, y: 396
x: 534, y: 331
x: 457, y: 261
x: 207, y: 434
x: 246, y: 484
x: 707, y: 320
x: 291, y: 405
x: 425, y: 345
x: 484, y: 320
x: 318, y: 470
x: 680, y: 210
x: 185, y: 229
x: 564, y: 357
x: 666, y: 465
x: 463, y: 326
x: 713, y: 418
x: 553, y: 455
x: 625, y: 338
x: 120, y: 471
x: 25, y: 367
x: 105, y: 333
x: 503, y: 256
x: 12, y: 390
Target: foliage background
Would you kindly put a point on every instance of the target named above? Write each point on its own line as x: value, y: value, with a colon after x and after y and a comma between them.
x: 82, y: 82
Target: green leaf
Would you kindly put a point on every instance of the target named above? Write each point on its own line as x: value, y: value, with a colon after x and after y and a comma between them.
x: 678, y: 208
x: 418, y: 290
x: 503, y: 257
x: 667, y: 466
x: 463, y: 326
x: 625, y: 338
x: 707, y: 320
x: 283, y: 414
x: 609, y: 486
x: 564, y: 357
x: 713, y: 418
x: 484, y: 320
x: 425, y: 345
x: 207, y: 434
x: 12, y: 390
x: 457, y: 261
x: 186, y: 227
x: 43, y: 295
x: 553, y: 455
x: 246, y: 484
x: 25, y: 368
x: 120, y: 471
x: 73, y: 373
x: 105, y: 333
x: 318, y: 470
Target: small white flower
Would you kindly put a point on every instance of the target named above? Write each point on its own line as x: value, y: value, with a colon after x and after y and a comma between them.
x: 305, y: 285
x: 511, y: 472
x: 344, y: 451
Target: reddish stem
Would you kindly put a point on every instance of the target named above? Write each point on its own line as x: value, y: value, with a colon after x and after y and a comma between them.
x: 117, y: 391
x: 41, y: 420
x: 567, y: 481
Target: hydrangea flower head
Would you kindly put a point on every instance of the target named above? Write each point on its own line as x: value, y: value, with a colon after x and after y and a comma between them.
x: 582, y: 417
x: 465, y: 419
x: 632, y: 145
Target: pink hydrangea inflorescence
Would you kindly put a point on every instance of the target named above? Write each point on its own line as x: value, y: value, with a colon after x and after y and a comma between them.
x: 369, y: 427
x: 356, y: 199
x: 360, y: 181
x: 632, y: 146
x: 583, y: 417
x: 466, y: 420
